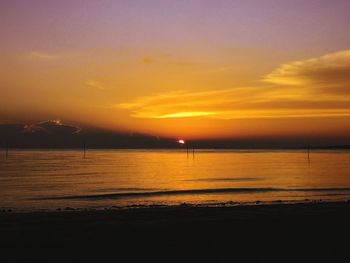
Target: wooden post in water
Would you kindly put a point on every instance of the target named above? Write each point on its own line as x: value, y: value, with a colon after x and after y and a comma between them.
x: 7, y: 150
x: 193, y: 151
x: 308, y: 153
x: 187, y: 149
x: 84, y: 150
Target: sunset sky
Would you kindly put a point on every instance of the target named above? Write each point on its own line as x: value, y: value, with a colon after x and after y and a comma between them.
x: 193, y: 69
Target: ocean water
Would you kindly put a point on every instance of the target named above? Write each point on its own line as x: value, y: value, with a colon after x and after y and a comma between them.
x: 43, y: 179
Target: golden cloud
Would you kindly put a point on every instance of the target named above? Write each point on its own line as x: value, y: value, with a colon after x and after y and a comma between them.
x: 316, y: 87
x: 329, y: 73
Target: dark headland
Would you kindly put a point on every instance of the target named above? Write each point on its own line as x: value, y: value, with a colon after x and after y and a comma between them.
x: 309, y: 232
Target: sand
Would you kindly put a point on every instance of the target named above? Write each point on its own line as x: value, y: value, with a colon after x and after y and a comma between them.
x: 309, y: 232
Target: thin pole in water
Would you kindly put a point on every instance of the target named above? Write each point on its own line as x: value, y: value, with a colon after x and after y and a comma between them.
x: 7, y: 150
x: 193, y: 152
x: 187, y: 149
x: 308, y: 153
x: 84, y: 149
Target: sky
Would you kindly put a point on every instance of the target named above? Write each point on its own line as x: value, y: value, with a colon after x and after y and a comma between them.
x: 186, y: 69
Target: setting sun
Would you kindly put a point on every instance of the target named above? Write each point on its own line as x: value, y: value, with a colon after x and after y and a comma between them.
x: 181, y: 141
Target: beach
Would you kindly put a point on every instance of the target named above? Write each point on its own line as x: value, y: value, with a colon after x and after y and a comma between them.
x: 302, y: 232
x: 160, y: 206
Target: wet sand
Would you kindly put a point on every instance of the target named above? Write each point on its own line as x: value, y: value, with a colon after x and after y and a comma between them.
x: 309, y: 232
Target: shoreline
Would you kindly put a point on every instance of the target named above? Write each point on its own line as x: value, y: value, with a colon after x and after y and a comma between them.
x: 214, y: 204
x: 317, y: 203
x: 277, y: 233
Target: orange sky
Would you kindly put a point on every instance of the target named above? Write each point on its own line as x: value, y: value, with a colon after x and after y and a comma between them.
x: 232, y: 70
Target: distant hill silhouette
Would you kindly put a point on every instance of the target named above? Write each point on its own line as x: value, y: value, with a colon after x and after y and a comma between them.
x: 55, y: 134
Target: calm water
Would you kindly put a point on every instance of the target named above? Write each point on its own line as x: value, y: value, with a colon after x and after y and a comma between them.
x: 53, y: 179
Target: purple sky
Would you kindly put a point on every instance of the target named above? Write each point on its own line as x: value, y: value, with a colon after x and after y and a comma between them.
x: 62, y: 25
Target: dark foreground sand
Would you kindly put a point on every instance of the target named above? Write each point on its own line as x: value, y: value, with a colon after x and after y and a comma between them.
x: 311, y: 232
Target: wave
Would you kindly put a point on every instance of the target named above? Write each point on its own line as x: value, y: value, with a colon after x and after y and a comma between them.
x: 190, y: 192
x: 237, y: 179
x: 120, y: 189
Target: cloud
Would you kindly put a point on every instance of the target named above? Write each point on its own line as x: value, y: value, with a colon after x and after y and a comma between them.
x: 95, y: 84
x: 147, y: 61
x: 237, y: 103
x: 185, y: 114
x: 318, y: 87
x: 329, y: 73
x: 42, y: 56
x: 184, y: 104
x: 51, y: 127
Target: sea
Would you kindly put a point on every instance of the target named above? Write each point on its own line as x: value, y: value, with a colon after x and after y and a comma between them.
x: 33, y: 180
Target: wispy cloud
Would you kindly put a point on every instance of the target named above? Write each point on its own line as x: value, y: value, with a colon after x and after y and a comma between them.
x: 317, y: 87
x: 42, y: 56
x: 95, y: 84
x: 185, y: 114
x: 329, y: 73
x: 147, y: 61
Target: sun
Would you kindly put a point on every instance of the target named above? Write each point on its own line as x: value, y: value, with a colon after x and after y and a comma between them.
x: 181, y: 141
